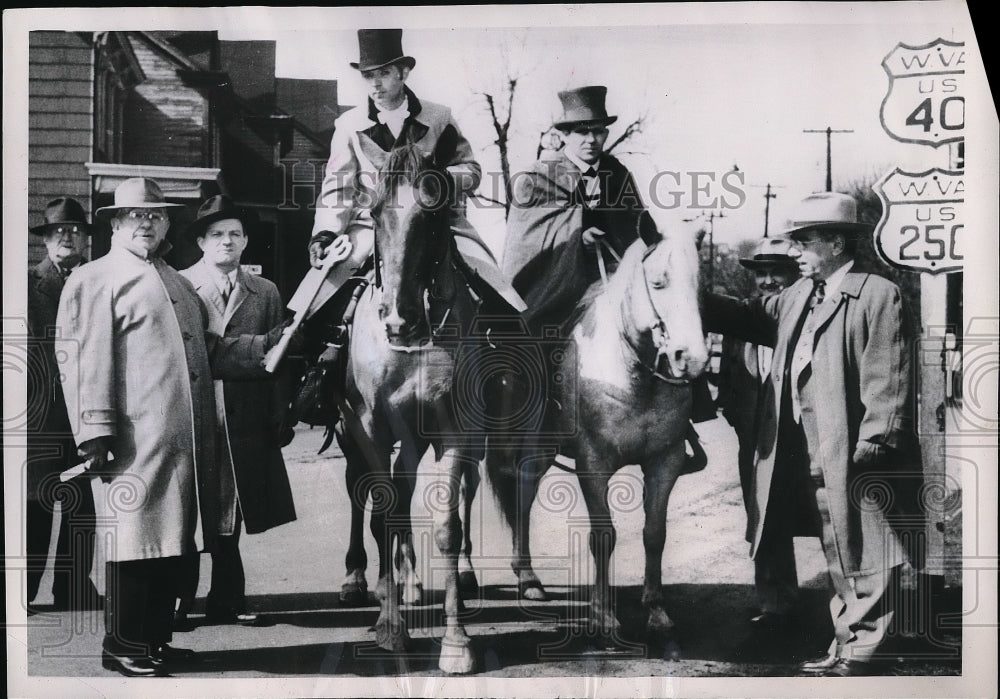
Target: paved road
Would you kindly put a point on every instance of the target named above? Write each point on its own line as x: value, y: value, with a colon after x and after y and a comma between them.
x: 294, y: 573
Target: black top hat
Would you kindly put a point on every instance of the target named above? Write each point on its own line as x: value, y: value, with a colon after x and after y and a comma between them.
x: 214, y: 209
x: 63, y: 211
x: 584, y: 105
x: 381, y: 47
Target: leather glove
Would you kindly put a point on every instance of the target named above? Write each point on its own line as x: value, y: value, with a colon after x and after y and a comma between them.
x: 274, y: 336
x: 96, y: 451
x: 318, y: 246
x: 591, y: 235
x: 870, y: 455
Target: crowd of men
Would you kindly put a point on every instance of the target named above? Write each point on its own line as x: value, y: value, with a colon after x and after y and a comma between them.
x: 164, y: 398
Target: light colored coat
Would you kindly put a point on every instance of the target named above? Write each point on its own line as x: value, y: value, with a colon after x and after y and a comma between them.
x: 857, y: 387
x: 251, y: 412
x: 137, y: 370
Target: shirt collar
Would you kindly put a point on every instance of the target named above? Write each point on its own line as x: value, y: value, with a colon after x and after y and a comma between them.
x: 834, y: 281
x: 411, y: 103
x: 583, y: 167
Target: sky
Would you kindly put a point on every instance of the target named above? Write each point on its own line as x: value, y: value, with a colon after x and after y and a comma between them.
x: 717, y: 90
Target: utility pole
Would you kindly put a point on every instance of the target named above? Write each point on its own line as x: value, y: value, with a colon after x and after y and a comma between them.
x: 711, y: 248
x: 829, y: 167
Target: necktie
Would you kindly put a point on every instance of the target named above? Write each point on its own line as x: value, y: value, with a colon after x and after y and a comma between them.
x: 591, y: 187
x: 227, y: 290
x: 819, y: 293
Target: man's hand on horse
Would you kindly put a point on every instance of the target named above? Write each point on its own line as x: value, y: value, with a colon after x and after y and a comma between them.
x: 591, y: 236
x: 326, y: 243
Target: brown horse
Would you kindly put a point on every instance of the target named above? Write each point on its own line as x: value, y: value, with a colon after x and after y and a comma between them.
x: 638, y: 343
x: 400, y: 369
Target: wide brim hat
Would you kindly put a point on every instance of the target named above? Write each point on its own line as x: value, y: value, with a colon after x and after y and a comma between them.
x: 137, y: 193
x: 828, y: 212
x: 584, y: 105
x: 214, y: 209
x: 771, y: 252
x: 62, y: 211
x: 381, y: 47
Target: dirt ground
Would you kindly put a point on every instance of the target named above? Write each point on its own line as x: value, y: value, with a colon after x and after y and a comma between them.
x: 294, y: 574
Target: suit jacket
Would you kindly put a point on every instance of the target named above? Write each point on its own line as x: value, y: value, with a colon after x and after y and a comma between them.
x: 544, y: 256
x: 251, y: 413
x: 51, y: 449
x: 138, y: 361
x: 857, y: 387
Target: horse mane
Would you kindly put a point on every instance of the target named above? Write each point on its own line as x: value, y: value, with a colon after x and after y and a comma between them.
x: 402, y: 166
x: 633, y: 255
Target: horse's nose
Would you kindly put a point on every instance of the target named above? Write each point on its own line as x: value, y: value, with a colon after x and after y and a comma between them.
x: 394, y: 323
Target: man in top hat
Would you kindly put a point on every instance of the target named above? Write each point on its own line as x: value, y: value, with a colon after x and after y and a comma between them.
x: 138, y: 360
x: 362, y: 140
x: 744, y: 385
x: 51, y: 450
x: 563, y: 206
x: 251, y: 416
x: 836, y: 441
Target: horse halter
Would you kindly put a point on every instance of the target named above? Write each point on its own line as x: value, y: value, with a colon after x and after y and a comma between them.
x: 659, y: 332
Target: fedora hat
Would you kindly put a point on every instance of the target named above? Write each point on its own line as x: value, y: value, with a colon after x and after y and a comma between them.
x: 584, y: 105
x: 381, y: 47
x: 214, y: 209
x: 136, y: 193
x: 832, y: 212
x: 770, y: 252
x: 62, y: 211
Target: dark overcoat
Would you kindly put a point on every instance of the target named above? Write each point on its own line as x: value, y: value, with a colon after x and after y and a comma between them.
x: 51, y: 449
x: 544, y: 256
x: 857, y: 387
x: 253, y: 411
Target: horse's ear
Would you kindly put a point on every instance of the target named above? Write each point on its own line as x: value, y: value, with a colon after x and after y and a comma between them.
x: 444, y: 151
x: 647, y: 229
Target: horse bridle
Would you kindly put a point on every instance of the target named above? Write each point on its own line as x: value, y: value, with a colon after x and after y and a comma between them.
x: 658, y: 331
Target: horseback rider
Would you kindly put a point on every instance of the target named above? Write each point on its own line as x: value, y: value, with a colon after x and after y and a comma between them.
x: 362, y: 140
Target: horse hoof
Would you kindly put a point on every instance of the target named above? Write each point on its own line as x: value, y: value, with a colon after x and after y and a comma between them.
x: 392, y: 637
x: 413, y: 594
x: 456, y: 658
x: 605, y: 623
x: 468, y: 585
x: 532, y: 590
x: 353, y: 595
x: 659, y: 624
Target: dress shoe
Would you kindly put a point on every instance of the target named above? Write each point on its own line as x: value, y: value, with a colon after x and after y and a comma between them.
x: 845, y: 667
x: 129, y: 666
x: 820, y: 664
x: 168, y: 655
x: 248, y: 619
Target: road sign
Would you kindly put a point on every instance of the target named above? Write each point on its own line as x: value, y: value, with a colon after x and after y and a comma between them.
x: 923, y: 222
x: 926, y: 101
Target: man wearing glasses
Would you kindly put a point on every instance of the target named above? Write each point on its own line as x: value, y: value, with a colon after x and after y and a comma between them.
x: 138, y: 360
x: 50, y: 441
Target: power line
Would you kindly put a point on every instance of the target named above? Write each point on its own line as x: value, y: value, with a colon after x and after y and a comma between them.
x: 829, y: 167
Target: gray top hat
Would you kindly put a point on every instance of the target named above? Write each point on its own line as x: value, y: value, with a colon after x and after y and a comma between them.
x: 136, y: 193
x: 584, y: 105
x: 63, y: 211
x: 832, y: 212
x: 381, y: 47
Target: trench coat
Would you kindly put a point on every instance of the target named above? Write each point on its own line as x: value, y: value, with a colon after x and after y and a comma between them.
x: 544, y: 256
x: 859, y: 389
x: 51, y: 449
x: 137, y: 364
x: 251, y: 469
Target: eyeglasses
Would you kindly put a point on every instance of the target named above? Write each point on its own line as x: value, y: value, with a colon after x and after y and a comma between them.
x: 67, y: 230
x: 154, y: 216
